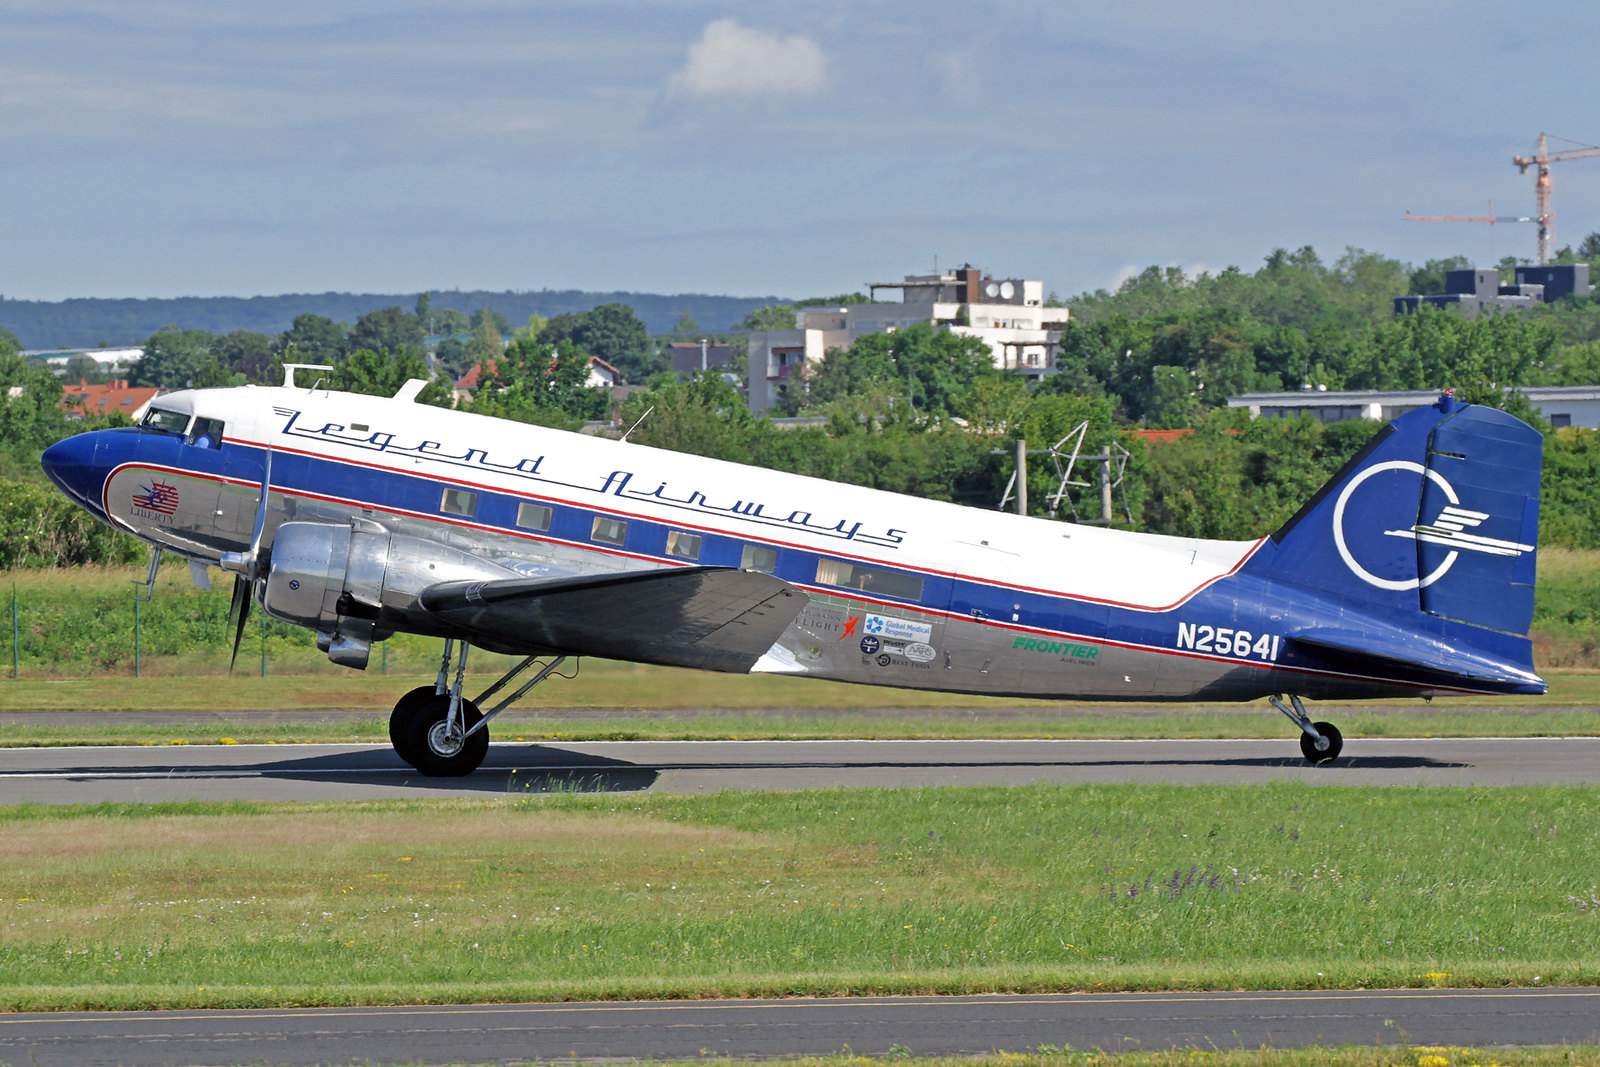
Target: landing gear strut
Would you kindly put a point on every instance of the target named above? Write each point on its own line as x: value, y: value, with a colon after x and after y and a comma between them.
x: 1320, y: 742
x: 443, y: 734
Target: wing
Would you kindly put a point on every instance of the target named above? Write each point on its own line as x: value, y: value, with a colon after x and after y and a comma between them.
x: 713, y: 618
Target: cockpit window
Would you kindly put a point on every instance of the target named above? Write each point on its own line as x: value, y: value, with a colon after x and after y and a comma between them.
x: 205, y: 433
x: 165, y: 421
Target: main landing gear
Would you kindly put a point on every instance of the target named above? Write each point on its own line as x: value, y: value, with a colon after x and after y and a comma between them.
x: 1320, y: 742
x: 445, y: 735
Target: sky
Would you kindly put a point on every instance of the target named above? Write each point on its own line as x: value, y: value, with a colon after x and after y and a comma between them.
x: 168, y: 148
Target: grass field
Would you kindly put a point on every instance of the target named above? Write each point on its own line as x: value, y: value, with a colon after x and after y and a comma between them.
x: 827, y: 892
x: 1403, y: 1056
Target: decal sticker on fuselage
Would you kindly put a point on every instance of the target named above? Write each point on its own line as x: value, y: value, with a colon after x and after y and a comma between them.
x: 1064, y: 649
x: 1226, y: 641
x: 156, y: 501
x: 887, y: 626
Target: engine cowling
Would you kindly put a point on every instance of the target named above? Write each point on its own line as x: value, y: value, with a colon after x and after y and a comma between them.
x: 354, y: 582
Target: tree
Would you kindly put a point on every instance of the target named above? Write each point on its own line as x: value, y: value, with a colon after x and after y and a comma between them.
x: 84, y: 368
x: 702, y: 415
x: 502, y: 324
x: 934, y: 370
x: 312, y: 339
x: 612, y: 332
x: 450, y: 322
x: 425, y: 311
x: 386, y: 330
x: 686, y: 323
x: 30, y: 398
x: 1429, y: 278
x: 771, y: 317
x: 453, y: 356
x: 172, y: 358
x: 245, y: 353
x: 558, y: 329
x: 383, y: 373
x: 484, y: 346
x: 535, y: 327
x: 541, y: 384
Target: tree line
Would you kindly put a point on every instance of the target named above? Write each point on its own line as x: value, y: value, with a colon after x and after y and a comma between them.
x: 90, y: 322
x: 924, y: 411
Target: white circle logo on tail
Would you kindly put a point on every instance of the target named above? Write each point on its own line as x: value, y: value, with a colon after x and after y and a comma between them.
x: 1344, y: 548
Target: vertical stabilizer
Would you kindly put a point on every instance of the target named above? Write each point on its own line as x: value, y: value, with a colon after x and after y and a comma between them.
x: 1438, y: 515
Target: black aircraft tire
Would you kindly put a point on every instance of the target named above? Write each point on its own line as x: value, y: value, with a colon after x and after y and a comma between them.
x: 1308, y: 747
x: 421, y: 736
x: 401, y: 715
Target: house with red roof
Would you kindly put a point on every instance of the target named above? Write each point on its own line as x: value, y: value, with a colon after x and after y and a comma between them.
x: 85, y: 400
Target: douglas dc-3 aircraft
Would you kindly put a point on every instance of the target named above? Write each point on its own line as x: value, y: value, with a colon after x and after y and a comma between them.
x: 1409, y: 574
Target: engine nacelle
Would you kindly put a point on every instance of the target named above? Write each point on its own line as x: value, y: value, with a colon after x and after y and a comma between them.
x: 347, y: 581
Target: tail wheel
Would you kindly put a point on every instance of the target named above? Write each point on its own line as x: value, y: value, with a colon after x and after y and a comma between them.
x: 403, y: 709
x: 1335, y: 742
x: 428, y: 744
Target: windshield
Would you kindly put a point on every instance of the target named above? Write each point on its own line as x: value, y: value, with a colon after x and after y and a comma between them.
x: 165, y: 421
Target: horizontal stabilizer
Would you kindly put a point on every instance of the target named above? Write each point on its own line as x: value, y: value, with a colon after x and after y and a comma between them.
x: 1423, y: 651
x: 713, y: 618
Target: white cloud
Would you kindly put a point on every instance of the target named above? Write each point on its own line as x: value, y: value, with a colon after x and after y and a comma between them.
x: 733, y: 60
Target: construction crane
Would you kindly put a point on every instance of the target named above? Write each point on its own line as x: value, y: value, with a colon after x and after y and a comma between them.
x: 1541, y: 186
x: 1490, y: 218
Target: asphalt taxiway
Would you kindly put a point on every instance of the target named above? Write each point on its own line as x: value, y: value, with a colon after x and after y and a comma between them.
x: 72, y: 775
x: 771, y: 1029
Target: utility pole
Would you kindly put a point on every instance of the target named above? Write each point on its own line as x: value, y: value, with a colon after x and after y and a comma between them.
x: 1022, y: 476
x: 1105, y: 484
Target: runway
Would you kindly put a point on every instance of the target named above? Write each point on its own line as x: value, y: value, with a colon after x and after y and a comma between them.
x: 875, y: 1026
x: 365, y: 772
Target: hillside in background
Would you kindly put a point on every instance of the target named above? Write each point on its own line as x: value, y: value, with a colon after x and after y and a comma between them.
x: 87, y: 322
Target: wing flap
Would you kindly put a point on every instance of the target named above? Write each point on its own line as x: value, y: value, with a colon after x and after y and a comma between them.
x: 712, y: 618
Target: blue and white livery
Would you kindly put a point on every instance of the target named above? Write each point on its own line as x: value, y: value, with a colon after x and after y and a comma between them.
x: 1410, y: 573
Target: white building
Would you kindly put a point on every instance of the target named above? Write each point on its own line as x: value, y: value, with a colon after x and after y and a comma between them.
x: 1560, y: 405
x: 110, y: 360
x: 1009, y: 315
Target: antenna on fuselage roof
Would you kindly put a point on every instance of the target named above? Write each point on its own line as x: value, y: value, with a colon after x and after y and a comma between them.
x: 290, y: 368
x: 635, y: 426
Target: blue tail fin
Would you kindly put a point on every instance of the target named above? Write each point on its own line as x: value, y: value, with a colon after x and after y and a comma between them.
x: 1438, y: 514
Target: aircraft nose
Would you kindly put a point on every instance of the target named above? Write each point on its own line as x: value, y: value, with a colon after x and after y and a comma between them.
x: 70, y: 464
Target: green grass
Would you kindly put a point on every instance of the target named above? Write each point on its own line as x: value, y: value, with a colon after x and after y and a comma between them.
x: 829, y: 892
x: 1316, y: 1056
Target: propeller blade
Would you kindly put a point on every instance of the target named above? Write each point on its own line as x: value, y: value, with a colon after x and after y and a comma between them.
x: 238, y: 614
x: 261, y: 515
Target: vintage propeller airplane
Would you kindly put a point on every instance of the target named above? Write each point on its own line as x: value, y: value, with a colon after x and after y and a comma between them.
x: 1409, y: 574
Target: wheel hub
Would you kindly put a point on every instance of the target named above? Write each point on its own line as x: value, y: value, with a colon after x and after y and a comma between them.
x: 443, y: 742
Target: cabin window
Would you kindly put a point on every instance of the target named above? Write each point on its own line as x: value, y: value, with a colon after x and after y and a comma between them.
x: 683, y: 545
x: 869, y: 578
x: 165, y: 421
x: 533, y: 516
x: 608, y: 531
x: 459, y: 502
x: 759, y: 558
x: 205, y: 433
